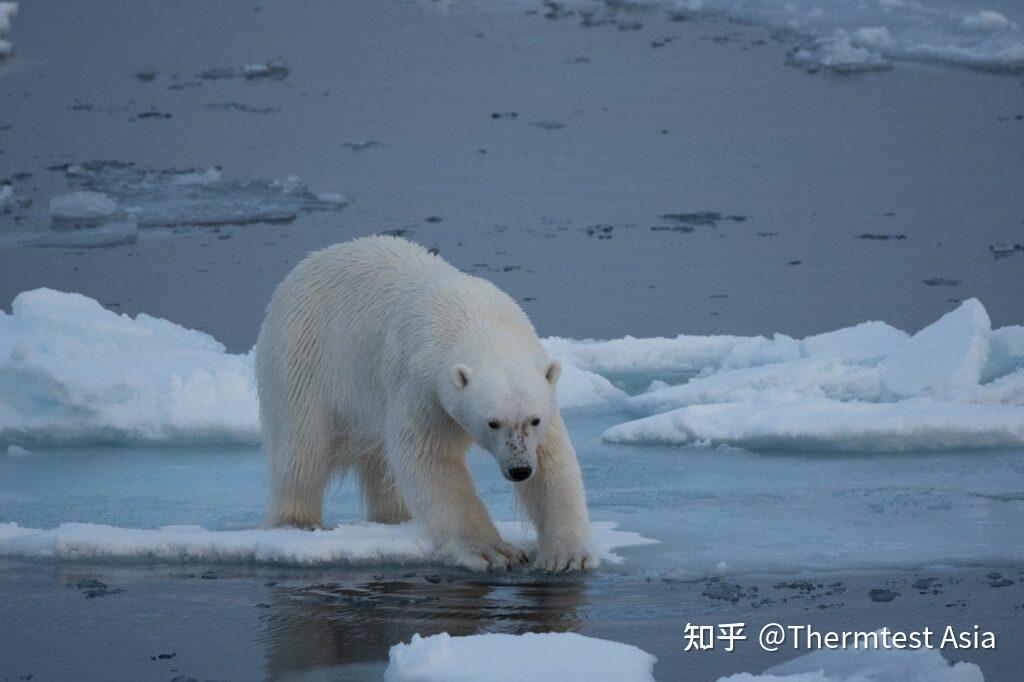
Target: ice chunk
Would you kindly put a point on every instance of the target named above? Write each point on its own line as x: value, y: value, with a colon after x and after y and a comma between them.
x: 944, y: 357
x: 17, y: 452
x: 85, y: 207
x: 6, y: 196
x: 631, y: 355
x: 822, y: 424
x: 198, y: 196
x: 1006, y: 352
x: 110, y: 234
x: 72, y: 371
x: 579, y: 388
x: 536, y: 657
x: 766, y: 383
x: 865, y: 342
x: 837, y: 53
x: 7, y: 11
x: 863, y: 664
x: 354, y: 543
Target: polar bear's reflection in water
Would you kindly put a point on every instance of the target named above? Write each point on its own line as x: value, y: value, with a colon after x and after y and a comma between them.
x: 328, y: 625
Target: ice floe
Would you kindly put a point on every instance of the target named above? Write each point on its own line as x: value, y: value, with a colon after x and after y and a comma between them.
x: 107, y: 234
x: 528, y: 657
x: 173, y: 197
x: 357, y: 543
x: 861, y: 36
x: 7, y: 11
x: 72, y: 371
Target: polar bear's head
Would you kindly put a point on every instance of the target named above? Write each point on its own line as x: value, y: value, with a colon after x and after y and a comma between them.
x: 505, y: 409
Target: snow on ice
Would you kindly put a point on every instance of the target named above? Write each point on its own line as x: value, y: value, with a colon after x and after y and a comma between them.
x: 536, y: 657
x: 348, y: 544
x: 73, y: 372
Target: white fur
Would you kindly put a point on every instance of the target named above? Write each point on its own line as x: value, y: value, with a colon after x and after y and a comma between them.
x: 380, y: 357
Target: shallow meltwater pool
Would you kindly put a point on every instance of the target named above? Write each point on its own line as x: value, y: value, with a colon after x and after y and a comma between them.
x: 741, y: 536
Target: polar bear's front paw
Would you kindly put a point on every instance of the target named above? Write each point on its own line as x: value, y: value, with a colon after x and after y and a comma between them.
x: 489, y: 556
x: 566, y: 558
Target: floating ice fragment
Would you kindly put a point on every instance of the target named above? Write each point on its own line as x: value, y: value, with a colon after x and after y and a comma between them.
x: 109, y: 234
x: 536, y: 656
x: 85, y: 207
x: 173, y: 197
x: 7, y: 11
x: 985, y: 20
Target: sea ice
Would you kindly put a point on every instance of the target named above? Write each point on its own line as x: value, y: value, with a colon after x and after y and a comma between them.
x: 84, y: 207
x: 72, y: 371
x: 528, y: 657
x: 946, y: 356
x: 108, y: 234
x: 168, y: 198
x: 6, y: 196
x: 7, y: 11
x: 348, y: 544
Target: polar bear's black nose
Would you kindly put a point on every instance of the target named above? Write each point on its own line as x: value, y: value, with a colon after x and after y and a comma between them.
x: 520, y: 473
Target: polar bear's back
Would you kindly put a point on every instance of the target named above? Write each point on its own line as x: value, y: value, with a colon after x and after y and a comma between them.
x: 357, y: 316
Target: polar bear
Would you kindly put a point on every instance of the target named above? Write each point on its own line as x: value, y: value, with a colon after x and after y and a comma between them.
x: 378, y: 356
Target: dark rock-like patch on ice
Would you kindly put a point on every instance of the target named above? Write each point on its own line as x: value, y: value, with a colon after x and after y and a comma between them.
x: 506, y: 115
x: 881, y: 237
x: 360, y: 145
x: 95, y: 588
x: 153, y: 115
x: 548, y: 125
x: 176, y: 197
x: 941, y: 282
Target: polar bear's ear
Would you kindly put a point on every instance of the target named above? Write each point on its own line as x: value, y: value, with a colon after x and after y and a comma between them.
x: 553, y: 371
x: 461, y: 375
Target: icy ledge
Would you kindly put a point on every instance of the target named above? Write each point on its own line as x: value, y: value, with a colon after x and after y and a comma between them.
x: 571, y: 656
x: 73, y: 372
x: 358, y: 543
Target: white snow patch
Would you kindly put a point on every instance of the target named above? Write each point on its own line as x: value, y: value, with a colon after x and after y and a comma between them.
x: 348, y: 544
x: 838, y: 53
x: 579, y: 388
x: 530, y: 657
x: 867, y: 665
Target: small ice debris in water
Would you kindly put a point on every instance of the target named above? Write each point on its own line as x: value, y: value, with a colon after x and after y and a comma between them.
x: 360, y: 145
x: 334, y: 198
x: 273, y: 70
x: 537, y: 656
x: 15, y: 452
x: 108, y: 234
x: 548, y: 125
x: 84, y: 206
x: 837, y: 53
x: 721, y: 567
x: 985, y: 20
x: 7, y: 10
x: 179, y: 197
x: 6, y: 196
x: 941, y: 282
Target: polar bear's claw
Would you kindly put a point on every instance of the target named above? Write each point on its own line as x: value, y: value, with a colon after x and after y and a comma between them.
x: 566, y: 559
x: 498, y: 556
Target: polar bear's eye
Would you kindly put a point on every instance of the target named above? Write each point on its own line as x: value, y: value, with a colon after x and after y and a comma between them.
x: 535, y: 421
x: 494, y: 423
